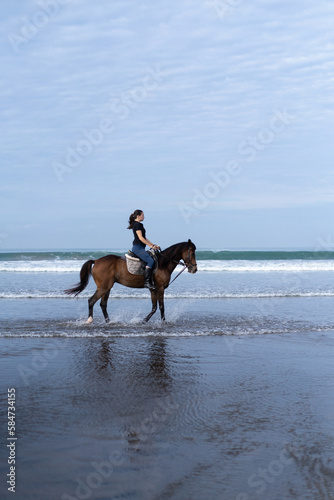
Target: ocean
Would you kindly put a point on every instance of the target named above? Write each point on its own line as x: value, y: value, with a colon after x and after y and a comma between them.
x: 230, y: 398
x: 241, y: 291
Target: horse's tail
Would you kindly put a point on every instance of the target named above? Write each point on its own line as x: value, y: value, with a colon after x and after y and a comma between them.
x: 85, y: 273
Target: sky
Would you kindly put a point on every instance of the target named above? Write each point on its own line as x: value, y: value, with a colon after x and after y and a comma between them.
x: 213, y: 117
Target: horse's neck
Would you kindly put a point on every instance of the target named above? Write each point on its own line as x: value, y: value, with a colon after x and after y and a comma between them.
x: 172, y: 265
x: 173, y: 262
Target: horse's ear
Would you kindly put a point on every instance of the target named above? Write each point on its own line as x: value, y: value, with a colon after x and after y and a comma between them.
x: 190, y: 243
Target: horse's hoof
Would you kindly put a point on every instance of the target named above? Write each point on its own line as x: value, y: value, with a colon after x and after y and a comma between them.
x: 89, y: 320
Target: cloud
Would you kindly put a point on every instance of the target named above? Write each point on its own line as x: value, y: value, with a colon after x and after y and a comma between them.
x: 268, y: 195
x: 222, y: 79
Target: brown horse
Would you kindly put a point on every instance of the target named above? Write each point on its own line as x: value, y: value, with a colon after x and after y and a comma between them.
x: 112, y: 269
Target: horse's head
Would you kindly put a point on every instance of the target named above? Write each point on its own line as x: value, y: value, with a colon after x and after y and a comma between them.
x: 189, y: 257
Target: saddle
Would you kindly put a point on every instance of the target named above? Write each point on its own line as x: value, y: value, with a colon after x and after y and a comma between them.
x: 136, y: 266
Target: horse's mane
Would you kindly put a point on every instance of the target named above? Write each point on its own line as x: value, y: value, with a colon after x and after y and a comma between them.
x: 173, y: 252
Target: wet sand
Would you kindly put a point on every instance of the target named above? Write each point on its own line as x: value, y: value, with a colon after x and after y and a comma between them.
x: 220, y: 417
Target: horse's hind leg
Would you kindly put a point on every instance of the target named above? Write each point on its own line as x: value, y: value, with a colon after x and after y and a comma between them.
x: 154, y: 305
x: 91, y: 302
x: 103, y: 304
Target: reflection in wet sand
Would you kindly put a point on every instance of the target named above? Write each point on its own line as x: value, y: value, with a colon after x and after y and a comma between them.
x: 176, y: 418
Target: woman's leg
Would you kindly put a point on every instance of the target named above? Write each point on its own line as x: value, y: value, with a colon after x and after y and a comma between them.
x: 143, y: 255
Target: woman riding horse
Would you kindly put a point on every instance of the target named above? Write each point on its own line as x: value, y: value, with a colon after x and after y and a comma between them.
x: 112, y: 269
x: 139, y: 243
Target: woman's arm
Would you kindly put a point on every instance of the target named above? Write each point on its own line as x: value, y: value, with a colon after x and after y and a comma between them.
x: 145, y: 240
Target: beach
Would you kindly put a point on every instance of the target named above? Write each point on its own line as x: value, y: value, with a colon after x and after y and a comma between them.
x: 231, y: 398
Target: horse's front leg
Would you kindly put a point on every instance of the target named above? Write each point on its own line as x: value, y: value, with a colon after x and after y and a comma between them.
x: 161, y: 304
x: 154, y: 305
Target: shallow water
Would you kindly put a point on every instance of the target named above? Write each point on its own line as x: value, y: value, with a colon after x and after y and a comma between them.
x: 189, y: 417
x: 187, y: 317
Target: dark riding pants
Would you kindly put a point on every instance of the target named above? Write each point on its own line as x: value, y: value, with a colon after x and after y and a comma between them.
x: 143, y: 255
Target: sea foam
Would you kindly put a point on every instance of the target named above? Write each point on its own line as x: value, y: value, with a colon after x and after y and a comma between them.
x: 237, y: 266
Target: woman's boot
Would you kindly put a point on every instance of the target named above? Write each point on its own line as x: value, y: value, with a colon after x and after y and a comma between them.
x: 148, y: 278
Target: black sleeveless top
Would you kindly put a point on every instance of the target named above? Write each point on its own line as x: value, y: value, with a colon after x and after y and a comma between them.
x: 138, y: 226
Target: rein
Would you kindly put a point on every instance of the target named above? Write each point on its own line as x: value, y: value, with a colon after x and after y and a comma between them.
x: 171, y: 260
x: 184, y: 267
x: 177, y: 263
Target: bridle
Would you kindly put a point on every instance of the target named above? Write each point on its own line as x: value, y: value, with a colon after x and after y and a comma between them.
x: 182, y: 262
x: 186, y: 263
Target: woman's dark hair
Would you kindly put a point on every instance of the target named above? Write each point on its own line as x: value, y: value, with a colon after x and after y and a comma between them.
x: 133, y: 217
